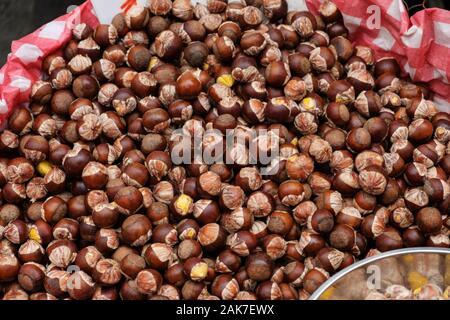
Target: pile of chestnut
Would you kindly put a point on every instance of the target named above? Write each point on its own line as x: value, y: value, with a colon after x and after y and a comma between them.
x: 92, y: 205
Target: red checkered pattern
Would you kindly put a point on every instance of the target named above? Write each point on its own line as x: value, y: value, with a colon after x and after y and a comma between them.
x: 24, y: 63
x: 420, y: 44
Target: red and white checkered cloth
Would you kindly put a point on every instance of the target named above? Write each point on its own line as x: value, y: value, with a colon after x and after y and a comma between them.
x: 23, y: 66
x: 421, y: 44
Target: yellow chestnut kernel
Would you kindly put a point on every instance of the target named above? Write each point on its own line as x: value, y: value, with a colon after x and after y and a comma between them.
x: 395, y: 100
x: 190, y: 233
x: 417, y: 291
x: 294, y: 141
x: 416, y: 280
x: 447, y: 271
x: 340, y: 99
x: 279, y: 100
x: 205, y: 67
x: 309, y: 103
x: 446, y: 293
x: 440, y: 130
x: 199, y: 271
x: 34, y: 235
x: 226, y: 79
x: 408, y: 259
x: 152, y: 63
x: 184, y: 204
x: 44, y: 167
x: 327, y: 294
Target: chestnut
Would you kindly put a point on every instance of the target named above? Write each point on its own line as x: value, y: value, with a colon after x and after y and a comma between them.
x: 158, y: 255
x: 175, y: 275
x: 242, y: 242
x: 192, y: 290
x: 188, y: 86
x: 80, y: 286
x: 259, y: 266
x: 75, y: 160
x: 342, y: 237
x: 415, y: 173
x: 9, y: 267
x: 338, y: 114
x: 373, y: 180
x: 195, y: 269
x: 55, y: 282
x: 136, y: 230
x: 167, y: 45
x: 85, y: 86
x: 105, y: 35
x: 165, y: 233
x: 412, y: 237
x: 107, y: 272
x: 420, y: 131
x: 322, y: 221
x: 313, y: 279
x: 227, y: 261
x: 116, y: 54
x: 377, y: 128
x: 129, y: 200
x: 189, y: 248
x: 53, y: 209
x: 341, y: 91
x: 368, y: 103
x: 206, y: 211
x: 137, y: 17
x: 209, y: 184
x: 238, y: 219
x: 249, y: 179
x: 62, y: 252
x: 429, y: 220
x: 225, y: 287
x: 212, y: 237
x: 321, y: 59
x: 156, y: 120
x: 158, y: 213
x: 386, y: 65
x: 390, y: 239
x: 387, y: 82
x: 291, y: 192
x: 31, y: 276
x: 87, y: 258
x: 277, y: 73
x: 358, y: 139
x: 274, y: 245
x: 330, y: 259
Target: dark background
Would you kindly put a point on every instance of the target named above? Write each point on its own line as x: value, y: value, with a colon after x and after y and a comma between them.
x: 20, y: 17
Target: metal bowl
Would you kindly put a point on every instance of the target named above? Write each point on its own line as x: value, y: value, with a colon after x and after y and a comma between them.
x: 413, y: 273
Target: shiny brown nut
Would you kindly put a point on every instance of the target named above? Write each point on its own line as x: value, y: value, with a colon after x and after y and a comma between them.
x: 167, y: 45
